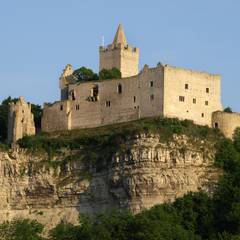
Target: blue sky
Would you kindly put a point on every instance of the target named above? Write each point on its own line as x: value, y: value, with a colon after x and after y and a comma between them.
x: 38, y: 38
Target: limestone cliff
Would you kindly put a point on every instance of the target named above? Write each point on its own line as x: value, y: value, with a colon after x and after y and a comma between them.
x: 143, y: 173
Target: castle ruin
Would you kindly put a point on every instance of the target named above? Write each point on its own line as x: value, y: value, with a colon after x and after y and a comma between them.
x: 20, y: 120
x: 163, y: 90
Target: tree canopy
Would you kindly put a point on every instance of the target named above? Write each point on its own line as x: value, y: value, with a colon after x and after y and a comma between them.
x: 114, y: 73
x: 228, y: 110
x: 85, y: 74
x: 4, y: 117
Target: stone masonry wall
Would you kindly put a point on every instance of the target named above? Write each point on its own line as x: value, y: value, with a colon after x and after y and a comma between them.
x: 226, y: 122
x: 140, y: 96
x: 189, y: 85
x: 20, y: 120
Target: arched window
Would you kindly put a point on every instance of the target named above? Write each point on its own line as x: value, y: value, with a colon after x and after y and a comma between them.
x: 119, y: 88
x: 216, y: 125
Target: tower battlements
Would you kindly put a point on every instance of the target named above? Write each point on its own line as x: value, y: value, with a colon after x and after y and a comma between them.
x: 120, y: 55
x: 119, y: 46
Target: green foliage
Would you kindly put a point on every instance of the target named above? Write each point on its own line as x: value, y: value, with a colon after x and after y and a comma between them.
x: 21, y: 229
x: 85, y: 74
x: 228, y: 110
x: 236, y: 138
x: 64, y: 232
x: 37, y: 113
x: 196, y: 216
x: 4, y: 118
x: 114, y: 136
x: 114, y: 73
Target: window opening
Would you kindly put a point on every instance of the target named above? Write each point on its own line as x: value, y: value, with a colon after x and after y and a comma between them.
x: 181, y: 98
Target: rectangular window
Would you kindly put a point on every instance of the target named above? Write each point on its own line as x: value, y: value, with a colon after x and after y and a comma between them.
x: 77, y: 107
x: 61, y: 107
x: 207, y: 90
x: 194, y: 100
x: 202, y: 115
x: 181, y: 98
x: 151, y: 84
x: 186, y: 86
x: 151, y: 97
x: 134, y: 99
x: 108, y: 103
x: 206, y: 103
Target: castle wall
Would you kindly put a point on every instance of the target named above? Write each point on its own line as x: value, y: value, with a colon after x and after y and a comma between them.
x: 118, y: 100
x: 124, y: 106
x: 153, y: 92
x: 110, y: 105
x: 86, y: 112
x: 56, y: 117
x: 191, y: 95
x: 20, y: 120
x: 226, y: 122
x: 151, y: 83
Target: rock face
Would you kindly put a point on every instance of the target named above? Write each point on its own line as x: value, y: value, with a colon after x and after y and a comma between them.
x: 143, y: 173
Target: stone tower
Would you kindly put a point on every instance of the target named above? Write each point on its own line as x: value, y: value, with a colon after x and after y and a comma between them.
x: 120, y: 55
x: 64, y: 80
x: 20, y: 120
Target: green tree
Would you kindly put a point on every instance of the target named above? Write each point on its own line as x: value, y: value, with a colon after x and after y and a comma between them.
x: 85, y: 74
x: 228, y: 110
x: 236, y: 139
x: 37, y: 113
x: 21, y: 229
x: 64, y: 231
x: 4, y: 117
x: 114, y: 73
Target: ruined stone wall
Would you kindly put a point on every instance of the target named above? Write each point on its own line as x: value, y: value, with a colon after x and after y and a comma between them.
x: 153, y: 92
x: 118, y: 100
x: 123, y: 106
x: 151, y: 84
x: 56, y: 117
x: 226, y: 122
x: 20, y: 120
x: 123, y: 57
x: 90, y: 112
x: 189, y: 85
x: 85, y: 110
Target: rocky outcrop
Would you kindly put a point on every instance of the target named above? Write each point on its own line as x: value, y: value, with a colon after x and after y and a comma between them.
x: 142, y: 173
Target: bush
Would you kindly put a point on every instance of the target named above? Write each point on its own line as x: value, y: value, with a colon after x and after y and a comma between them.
x: 21, y: 229
x: 228, y: 110
x: 85, y: 74
x: 114, y: 73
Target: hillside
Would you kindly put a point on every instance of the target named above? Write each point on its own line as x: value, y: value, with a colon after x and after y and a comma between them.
x: 135, y: 165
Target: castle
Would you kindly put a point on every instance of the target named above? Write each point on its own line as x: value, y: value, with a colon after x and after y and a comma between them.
x: 164, y: 90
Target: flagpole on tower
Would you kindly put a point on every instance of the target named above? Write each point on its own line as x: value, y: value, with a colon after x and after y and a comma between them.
x: 102, y: 41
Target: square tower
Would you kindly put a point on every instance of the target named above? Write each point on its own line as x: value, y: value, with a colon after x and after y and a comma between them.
x: 120, y: 55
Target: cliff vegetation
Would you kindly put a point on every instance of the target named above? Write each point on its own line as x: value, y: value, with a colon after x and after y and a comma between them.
x: 194, y: 216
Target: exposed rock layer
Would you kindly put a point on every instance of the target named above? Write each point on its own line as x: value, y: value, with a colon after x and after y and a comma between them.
x: 144, y: 173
